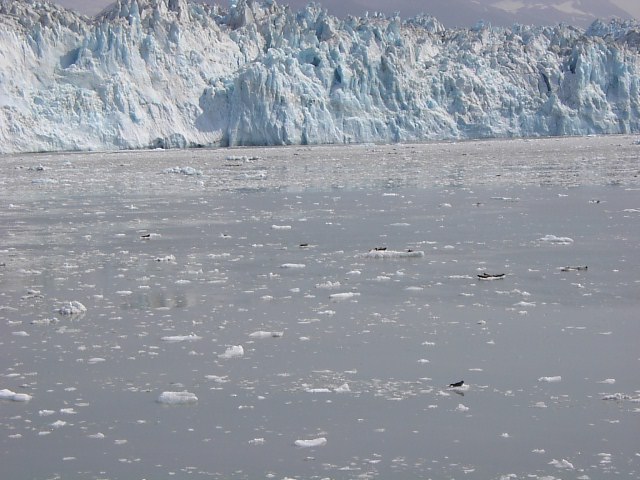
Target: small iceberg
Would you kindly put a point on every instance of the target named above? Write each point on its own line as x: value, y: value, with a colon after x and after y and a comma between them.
x: 232, y: 352
x: 316, y: 442
x: 263, y: 334
x: 72, y: 308
x: 177, y: 398
x: 384, y: 253
x: 189, y: 171
x: 554, y: 379
x: 336, y: 297
x: 7, y: 394
x: 181, y: 338
x: 557, y: 240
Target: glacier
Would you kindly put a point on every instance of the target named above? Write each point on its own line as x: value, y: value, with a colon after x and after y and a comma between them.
x: 177, y: 74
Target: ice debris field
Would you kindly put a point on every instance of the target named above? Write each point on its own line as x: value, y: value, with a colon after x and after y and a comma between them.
x: 449, y: 310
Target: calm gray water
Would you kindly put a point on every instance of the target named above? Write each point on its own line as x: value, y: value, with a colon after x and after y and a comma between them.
x: 266, y: 250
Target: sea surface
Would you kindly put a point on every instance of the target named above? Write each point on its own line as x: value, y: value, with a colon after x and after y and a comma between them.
x: 300, y: 312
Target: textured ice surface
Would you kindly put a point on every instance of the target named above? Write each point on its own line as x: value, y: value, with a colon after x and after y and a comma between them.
x: 369, y: 372
x: 166, y: 74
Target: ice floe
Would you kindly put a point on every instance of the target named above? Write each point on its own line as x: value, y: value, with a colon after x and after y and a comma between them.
x: 316, y: 442
x: 233, y: 351
x: 181, y: 338
x: 265, y: 334
x: 556, y: 240
x: 177, y: 398
x: 72, y: 308
x: 7, y: 394
x: 189, y: 171
x: 553, y: 379
x: 562, y: 464
x: 380, y: 253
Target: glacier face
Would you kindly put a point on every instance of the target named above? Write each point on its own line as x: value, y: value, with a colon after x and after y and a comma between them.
x: 170, y: 73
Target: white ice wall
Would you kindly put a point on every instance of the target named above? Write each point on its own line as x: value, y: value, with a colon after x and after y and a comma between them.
x: 169, y: 73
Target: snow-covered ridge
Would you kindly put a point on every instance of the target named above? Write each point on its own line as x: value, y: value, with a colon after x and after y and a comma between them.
x: 171, y: 73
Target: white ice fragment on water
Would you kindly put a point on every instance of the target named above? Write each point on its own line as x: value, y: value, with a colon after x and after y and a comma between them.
x: 58, y: 424
x: 462, y: 408
x: 98, y: 435
x: 166, y: 258
x: 391, y: 254
x: 72, y: 308
x: 540, y: 405
x: 293, y: 265
x: 93, y: 361
x: 618, y: 397
x: 318, y: 390
x: 344, y: 388
x: 46, y: 413
x: 7, y: 394
x: 177, y: 398
x: 557, y: 240
x: 316, y: 442
x: 263, y: 334
x: 20, y: 333
x: 181, y: 338
x: 256, y: 441
x: 608, y: 381
x: 562, y: 464
x: 554, y: 379
x: 343, y: 296
x: 189, y: 171
x: 217, y: 378
x: 280, y: 227
x: 232, y: 352
x: 328, y: 284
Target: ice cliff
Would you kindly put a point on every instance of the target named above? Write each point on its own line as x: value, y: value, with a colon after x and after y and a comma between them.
x: 170, y: 73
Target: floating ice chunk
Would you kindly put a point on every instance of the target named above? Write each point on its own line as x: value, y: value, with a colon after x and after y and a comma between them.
x: 608, y: 381
x: 181, y: 338
x: 462, y: 408
x: 46, y: 413
x: 98, y: 435
x: 189, y: 171
x: 316, y: 442
x: 177, y: 398
x: 263, y: 334
x: 328, y: 285
x: 619, y: 397
x: 555, y: 379
x: 392, y: 254
x: 318, y: 390
x: 524, y: 304
x: 93, y: 361
x: 21, y: 333
x: 233, y: 352
x: 280, y: 227
x: 557, y: 240
x: 72, y: 308
x: 217, y: 378
x: 7, y: 394
x: 540, y: 405
x: 344, y: 388
x: 256, y: 441
x: 343, y: 296
x: 166, y: 258
x: 58, y: 424
x: 562, y: 464
x: 293, y: 265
